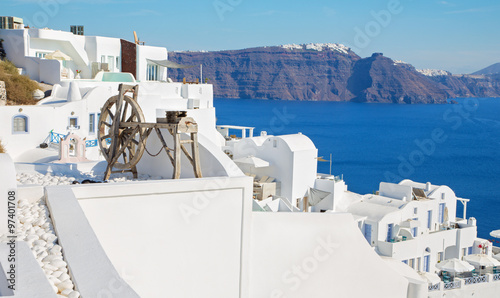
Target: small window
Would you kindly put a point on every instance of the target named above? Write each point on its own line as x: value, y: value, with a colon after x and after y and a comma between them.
x: 73, y: 123
x: 275, y: 143
x: 414, y: 232
x: 415, y: 210
x: 20, y: 124
x: 152, y: 72
x: 40, y: 55
x: 92, y: 123
x: 411, y: 263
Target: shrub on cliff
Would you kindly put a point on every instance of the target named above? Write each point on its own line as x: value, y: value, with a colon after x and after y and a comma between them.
x: 19, y: 88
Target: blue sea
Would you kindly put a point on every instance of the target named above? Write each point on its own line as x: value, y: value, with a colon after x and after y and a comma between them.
x: 452, y: 144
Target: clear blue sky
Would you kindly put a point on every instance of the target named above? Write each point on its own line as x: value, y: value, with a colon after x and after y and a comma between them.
x: 460, y: 36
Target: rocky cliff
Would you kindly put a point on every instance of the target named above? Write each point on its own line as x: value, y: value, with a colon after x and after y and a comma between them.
x: 329, y: 72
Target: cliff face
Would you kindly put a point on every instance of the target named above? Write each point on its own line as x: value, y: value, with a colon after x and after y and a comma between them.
x: 470, y: 86
x: 330, y: 73
x: 271, y: 73
x: 379, y: 79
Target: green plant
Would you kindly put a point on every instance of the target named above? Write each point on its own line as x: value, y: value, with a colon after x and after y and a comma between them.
x: 19, y: 88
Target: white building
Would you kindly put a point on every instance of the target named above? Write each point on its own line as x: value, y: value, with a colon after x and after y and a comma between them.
x: 416, y: 224
x: 27, y: 49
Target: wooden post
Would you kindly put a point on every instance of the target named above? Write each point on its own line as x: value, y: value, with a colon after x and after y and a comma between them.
x: 177, y: 155
x: 306, y: 204
x: 196, y: 155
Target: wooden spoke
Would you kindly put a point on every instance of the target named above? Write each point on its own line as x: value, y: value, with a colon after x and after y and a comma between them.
x: 110, y: 113
x: 124, y: 143
x: 125, y: 108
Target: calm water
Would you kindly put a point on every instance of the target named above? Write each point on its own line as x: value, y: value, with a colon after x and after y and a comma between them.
x: 454, y: 145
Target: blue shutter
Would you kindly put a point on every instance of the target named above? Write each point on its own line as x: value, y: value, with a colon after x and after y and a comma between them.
x: 389, y: 232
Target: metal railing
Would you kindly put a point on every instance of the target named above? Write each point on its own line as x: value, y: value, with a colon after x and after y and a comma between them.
x: 457, y: 284
x: 475, y: 280
x: 91, y: 143
x: 56, y: 138
x: 434, y: 287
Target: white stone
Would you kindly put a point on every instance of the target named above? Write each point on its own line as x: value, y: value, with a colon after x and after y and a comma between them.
x: 74, y: 294
x: 54, y: 280
x: 51, y: 258
x: 66, y: 292
x: 37, y: 248
x: 48, y: 272
x: 39, y: 242
x: 42, y: 255
x: 38, y: 94
x: 48, y: 266
x: 58, y: 263
x: 57, y: 274
x: 56, y: 249
x: 64, y: 277
x: 32, y: 237
x: 22, y: 203
x: 65, y: 285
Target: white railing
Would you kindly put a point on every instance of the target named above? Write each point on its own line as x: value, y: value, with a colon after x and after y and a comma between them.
x: 496, y: 277
x: 434, y: 287
x: 475, y: 280
x: 453, y: 285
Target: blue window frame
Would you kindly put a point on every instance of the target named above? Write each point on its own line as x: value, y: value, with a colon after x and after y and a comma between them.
x: 414, y: 232
x: 368, y: 233
x: 91, y: 123
x: 426, y: 263
x: 389, y: 232
x: 429, y: 219
x: 441, y: 212
x: 469, y: 252
x: 20, y: 124
x: 152, y: 72
x: 73, y: 123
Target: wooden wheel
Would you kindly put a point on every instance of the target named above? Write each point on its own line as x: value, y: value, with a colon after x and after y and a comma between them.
x: 115, y: 139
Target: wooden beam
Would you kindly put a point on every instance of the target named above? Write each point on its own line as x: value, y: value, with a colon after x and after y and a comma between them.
x: 196, y: 155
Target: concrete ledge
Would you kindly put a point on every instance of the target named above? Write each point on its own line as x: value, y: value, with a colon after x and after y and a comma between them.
x: 31, y: 281
x: 93, y: 273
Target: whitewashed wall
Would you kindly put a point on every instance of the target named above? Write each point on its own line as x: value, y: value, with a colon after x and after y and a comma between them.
x: 177, y: 238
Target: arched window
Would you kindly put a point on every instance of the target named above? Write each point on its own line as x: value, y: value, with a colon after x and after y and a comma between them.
x: 20, y: 124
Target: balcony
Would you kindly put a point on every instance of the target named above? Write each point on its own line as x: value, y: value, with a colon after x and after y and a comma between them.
x: 400, y: 248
